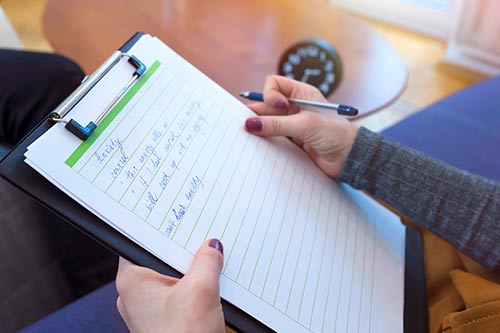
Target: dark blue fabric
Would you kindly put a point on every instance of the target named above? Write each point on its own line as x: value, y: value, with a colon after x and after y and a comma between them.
x: 95, y: 313
x: 462, y: 129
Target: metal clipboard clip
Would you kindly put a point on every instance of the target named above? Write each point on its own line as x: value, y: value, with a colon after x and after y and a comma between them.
x: 83, y: 132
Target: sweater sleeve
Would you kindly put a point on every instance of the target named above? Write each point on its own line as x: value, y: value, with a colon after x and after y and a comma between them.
x: 460, y: 207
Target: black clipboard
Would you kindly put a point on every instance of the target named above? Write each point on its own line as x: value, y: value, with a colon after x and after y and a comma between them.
x: 17, y: 172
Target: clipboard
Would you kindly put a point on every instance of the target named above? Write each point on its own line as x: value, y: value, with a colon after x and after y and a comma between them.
x: 17, y: 172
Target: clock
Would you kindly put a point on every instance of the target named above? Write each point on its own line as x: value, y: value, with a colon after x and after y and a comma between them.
x: 313, y: 61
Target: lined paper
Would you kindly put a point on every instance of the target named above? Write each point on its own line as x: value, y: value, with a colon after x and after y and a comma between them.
x: 173, y: 167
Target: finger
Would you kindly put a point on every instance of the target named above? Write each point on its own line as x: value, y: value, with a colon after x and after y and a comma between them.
x: 259, y: 108
x: 207, y: 264
x: 123, y: 311
x: 295, y: 126
x: 277, y: 90
x: 123, y: 274
x: 125, y: 277
x: 121, y: 307
x: 129, y: 274
x: 265, y: 109
x: 289, y: 88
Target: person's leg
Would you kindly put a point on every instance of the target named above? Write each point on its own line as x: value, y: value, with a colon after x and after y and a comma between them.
x: 95, y: 313
x: 31, y: 85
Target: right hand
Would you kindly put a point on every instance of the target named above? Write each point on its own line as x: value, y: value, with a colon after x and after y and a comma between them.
x: 323, y: 134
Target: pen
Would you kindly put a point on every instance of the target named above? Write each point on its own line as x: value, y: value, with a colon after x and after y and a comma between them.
x: 342, y: 109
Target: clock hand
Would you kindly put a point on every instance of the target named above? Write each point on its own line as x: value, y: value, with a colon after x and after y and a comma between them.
x: 314, y: 72
x: 308, y: 72
x: 305, y: 77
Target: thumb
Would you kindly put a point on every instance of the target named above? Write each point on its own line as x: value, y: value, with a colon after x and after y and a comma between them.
x: 207, y: 264
x: 294, y: 126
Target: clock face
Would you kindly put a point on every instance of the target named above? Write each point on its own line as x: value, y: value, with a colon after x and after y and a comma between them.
x: 313, y: 61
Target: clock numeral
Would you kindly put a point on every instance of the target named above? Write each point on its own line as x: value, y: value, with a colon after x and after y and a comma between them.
x: 330, y: 77
x: 324, y: 88
x: 322, y: 56
x: 294, y: 59
x: 287, y: 67
x: 302, y: 52
x: 290, y: 76
x: 328, y: 66
x: 313, y: 51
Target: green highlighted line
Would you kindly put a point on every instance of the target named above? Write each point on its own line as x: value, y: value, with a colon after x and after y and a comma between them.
x: 85, y: 145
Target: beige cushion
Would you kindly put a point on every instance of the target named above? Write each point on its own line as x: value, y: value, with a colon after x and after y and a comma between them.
x: 8, y: 37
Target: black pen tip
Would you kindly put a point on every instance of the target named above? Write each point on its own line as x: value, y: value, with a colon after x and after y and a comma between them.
x: 347, y: 110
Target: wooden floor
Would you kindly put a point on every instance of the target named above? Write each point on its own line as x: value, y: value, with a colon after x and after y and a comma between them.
x: 428, y: 78
x: 26, y: 17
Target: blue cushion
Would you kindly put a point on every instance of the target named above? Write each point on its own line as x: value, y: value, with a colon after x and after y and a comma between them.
x: 95, y: 312
x: 462, y: 129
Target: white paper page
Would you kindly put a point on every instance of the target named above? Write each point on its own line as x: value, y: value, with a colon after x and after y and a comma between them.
x: 175, y: 167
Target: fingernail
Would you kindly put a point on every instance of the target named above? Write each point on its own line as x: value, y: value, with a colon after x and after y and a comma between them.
x: 216, y: 244
x: 253, y: 124
x: 280, y: 104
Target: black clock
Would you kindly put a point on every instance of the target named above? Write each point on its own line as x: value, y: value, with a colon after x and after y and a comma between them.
x: 314, y: 61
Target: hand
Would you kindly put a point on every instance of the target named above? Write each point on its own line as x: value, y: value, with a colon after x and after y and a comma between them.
x: 324, y: 135
x: 152, y: 302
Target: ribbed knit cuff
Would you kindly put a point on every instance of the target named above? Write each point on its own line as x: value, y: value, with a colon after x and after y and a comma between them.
x: 356, y: 166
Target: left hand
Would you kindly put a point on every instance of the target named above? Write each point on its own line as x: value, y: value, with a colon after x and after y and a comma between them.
x: 151, y: 302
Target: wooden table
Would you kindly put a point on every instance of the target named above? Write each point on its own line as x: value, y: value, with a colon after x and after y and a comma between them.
x: 235, y: 42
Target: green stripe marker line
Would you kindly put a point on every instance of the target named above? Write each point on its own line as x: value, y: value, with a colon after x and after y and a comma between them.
x: 115, y: 111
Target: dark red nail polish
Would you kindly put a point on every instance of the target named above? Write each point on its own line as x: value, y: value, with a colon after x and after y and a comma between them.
x: 216, y: 244
x: 281, y: 105
x: 253, y: 124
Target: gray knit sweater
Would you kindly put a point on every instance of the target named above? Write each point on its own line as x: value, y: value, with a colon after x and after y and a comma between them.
x: 461, y: 208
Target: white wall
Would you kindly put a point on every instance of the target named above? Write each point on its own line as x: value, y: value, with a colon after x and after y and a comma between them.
x: 470, y: 27
x: 474, y: 40
x: 435, y: 21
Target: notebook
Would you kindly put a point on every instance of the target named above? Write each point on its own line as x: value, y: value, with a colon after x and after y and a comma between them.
x: 170, y: 166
